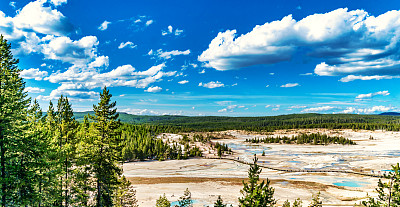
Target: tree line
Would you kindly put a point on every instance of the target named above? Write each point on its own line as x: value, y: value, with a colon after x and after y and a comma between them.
x: 313, y: 139
x: 293, y: 121
x: 140, y: 143
x: 53, y: 160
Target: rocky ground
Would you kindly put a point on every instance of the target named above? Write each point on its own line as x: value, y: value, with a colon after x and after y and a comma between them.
x: 208, y: 178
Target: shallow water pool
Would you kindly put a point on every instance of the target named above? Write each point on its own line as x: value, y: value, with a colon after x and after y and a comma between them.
x: 354, y: 184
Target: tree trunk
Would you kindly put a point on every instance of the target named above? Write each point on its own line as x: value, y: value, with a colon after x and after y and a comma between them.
x: 3, y: 171
x: 99, y: 193
x: 66, y: 182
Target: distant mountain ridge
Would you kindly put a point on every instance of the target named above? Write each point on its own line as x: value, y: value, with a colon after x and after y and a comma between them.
x: 390, y: 114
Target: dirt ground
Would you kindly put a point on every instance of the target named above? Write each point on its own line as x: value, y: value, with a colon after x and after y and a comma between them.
x: 208, y: 178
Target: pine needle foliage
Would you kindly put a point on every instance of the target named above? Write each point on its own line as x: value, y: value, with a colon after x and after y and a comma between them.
x: 255, y: 193
x: 106, y: 149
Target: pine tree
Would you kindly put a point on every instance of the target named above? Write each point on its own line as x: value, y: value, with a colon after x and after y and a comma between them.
x: 13, y: 113
x: 256, y: 194
x: 286, y: 204
x: 39, y: 147
x: 125, y: 194
x: 219, y: 202
x: 186, y: 199
x: 66, y: 141
x: 388, y: 193
x: 316, y: 201
x: 83, y: 184
x: 53, y: 192
x: 106, y: 151
x: 163, y: 202
x: 297, y: 203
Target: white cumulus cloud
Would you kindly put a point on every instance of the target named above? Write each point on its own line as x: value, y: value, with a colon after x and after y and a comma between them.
x: 212, y: 84
x: 34, y: 90
x: 149, y: 22
x: 168, y: 54
x: 361, y: 77
x: 170, y: 30
x: 183, y: 82
x: 103, y: 26
x: 127, y: 44
x: 370, y: 95
x: 371, y: 110
x: 84, y: 80
x: 39, y: 18
x: 348, y: 42
x: 33, y: 73
x: 154, y: 89
x: 319, y: 109
x: 76, y: 52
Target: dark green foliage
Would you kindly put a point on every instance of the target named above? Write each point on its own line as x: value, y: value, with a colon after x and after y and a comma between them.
x: 140, y: 143
x: 286, y: 204
x: 132, y: 119
x: 293, y: 121
x: 41, y: 160
x: 106, y: 147
x: 201, y: 138
x: 316, y: 201
x: 296, y: 203
x: 186, y: 199
x: 266, y: 123
x: 221, y: 149
x: 19, y: 148
x: 65, y: 139
x: 219, y: 202
x: 163, y: 202
x: 125, y: 194
x: 314, y: 139
x: 388, y: 193
x: 256, y: 194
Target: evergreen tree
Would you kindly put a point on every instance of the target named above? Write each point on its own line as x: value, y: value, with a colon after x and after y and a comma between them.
x: 106, y: 150
x: 83, y: 184
x: 163, y: 202
x: 219, y: 202
x: 297, y: 203
x: 39, y: 144
x: 316, y: 201
x: 66, y: 141
x: 186, y: 199
x: 388, y: 193
x: 256, y: 194
x: 125, y: 194
x: 13, y: 125
x: 53, y: 190
x: 286, y: 204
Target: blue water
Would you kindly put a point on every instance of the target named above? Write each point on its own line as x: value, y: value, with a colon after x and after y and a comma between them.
x: 250, y: 149
x: 354, y: 184
x: 177, y: 203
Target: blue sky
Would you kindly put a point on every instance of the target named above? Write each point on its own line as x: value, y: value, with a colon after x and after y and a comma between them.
x: 226, y: 58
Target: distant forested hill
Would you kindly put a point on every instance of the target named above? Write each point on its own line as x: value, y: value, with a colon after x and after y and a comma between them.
x: 270, y: 123
x: 390, y: 114
x: 264, y: 123
x: 129, y: 118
